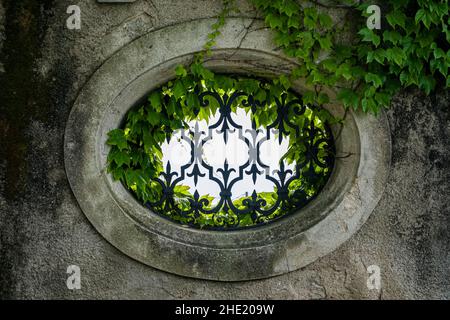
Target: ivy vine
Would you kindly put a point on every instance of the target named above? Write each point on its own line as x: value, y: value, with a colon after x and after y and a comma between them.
x: 136, y: 157
x: 410, y: 50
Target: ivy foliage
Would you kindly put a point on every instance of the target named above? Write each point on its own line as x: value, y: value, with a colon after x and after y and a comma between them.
x: 136, y: 157
x: 410, y: 50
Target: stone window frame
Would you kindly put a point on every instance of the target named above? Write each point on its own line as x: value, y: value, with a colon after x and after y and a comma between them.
x: 352, y: 192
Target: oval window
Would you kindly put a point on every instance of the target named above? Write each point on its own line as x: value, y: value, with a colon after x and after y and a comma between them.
x: 232, y: 154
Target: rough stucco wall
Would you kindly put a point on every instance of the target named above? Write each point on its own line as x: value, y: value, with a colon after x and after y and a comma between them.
x: 42, y: 230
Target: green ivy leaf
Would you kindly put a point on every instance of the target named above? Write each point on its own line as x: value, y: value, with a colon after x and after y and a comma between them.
x: 392, y: 36
x: 317, y: 76
x: 425, y: 40
x: 369, y: 35
x: 282, y: 39
x: 329, y: 65
x: 378, y: 55
x: 383, y: 99
x: 294, y: 22
x: 154, y: 117
x: 180, y: 71
x: 249, y: 86
x: 398, y: 4
x: 344, y: 70
x: 374, y: 79
x: 117, y: 173
x: 289, y: 7
x: 368, y: 104
x: 323, y: 98
x: 427, y: 84
x: 182, y: 191
x: 200, y: 71
x: 300, y: 71
x: 285, y: 82
x: 155, y: 100
x: 438, y: 53
x: 349, y: 98
x: 311, y: 12
x: 192, y: 101
x: 121, y: 158
x: 440, y: 65
x: 396, y: 55
x: 396, y: 18
x: 325, y: 43
x: 309, y: 97
x: 307, y: 39
x: 117, y: 138
x: 325, y: 20
x: 309, y: 23
x: 148, y: 140
x: 178, y: 89
x: 406, y: 79
x: 274, y: 21
x: 422, y: 15
x: 135, y: 178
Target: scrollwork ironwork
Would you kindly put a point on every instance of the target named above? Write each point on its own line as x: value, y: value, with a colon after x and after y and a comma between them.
x: 293, y: 187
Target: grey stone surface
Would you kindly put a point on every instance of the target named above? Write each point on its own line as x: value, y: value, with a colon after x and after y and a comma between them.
x: 43, y: 229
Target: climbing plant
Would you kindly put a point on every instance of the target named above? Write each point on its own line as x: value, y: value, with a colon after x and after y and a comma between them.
x: 410, y: 50
x: 136, y: 156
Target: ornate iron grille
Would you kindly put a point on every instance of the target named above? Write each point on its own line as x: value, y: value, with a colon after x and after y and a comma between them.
x: 301, y: 173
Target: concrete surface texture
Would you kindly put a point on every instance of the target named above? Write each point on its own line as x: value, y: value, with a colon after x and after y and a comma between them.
x: 43, y: 67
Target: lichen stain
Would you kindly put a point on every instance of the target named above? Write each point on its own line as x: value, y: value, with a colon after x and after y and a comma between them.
x: 23, y: 95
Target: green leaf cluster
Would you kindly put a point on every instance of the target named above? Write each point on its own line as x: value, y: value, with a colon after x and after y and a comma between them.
x: 410, y: 50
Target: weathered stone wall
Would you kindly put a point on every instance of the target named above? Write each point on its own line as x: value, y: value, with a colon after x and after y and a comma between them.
x: 43, y: 66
